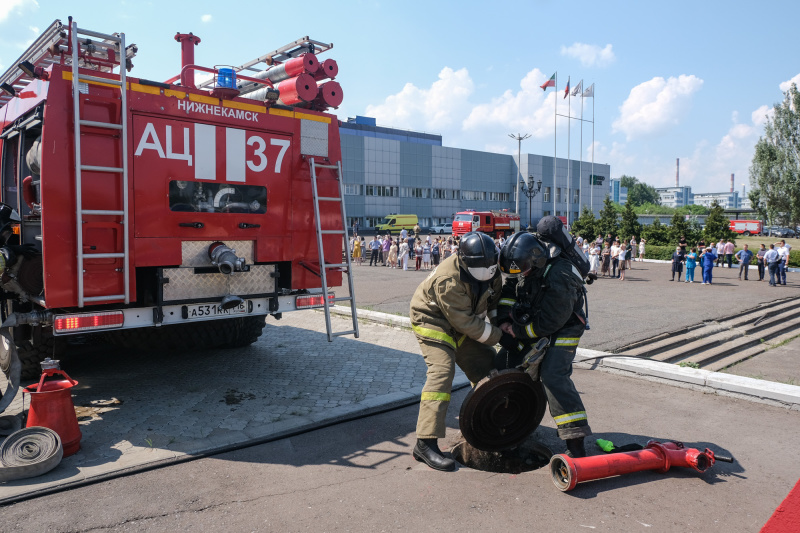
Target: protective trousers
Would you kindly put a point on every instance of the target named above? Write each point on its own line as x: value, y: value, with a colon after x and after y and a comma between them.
x: 566, y: 406
x: 475, y: 359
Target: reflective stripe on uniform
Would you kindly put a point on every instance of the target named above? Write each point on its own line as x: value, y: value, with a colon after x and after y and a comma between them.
x: 529, y: 331
x: 569, y: 417
x: 435, y: 335
x: 506, y: 301
x: 487, y: 332
x: 492, y: 313
x: 567, y: 341
x: 435, y: 396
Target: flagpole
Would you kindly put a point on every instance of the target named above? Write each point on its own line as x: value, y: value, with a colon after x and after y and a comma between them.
x: 580, y: 169
x: 555, y: 140
x: 592, y: 172
x: 569, y: 166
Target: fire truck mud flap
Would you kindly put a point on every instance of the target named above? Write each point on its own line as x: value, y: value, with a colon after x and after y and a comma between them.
x: 11, y: 367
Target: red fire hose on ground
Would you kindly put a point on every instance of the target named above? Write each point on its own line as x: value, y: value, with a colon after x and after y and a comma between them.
x: 568, y: 472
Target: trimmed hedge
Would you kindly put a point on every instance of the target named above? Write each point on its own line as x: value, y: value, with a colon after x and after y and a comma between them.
x: 665, y: 253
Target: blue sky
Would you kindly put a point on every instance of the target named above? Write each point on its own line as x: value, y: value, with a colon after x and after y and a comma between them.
x: 692, y: 80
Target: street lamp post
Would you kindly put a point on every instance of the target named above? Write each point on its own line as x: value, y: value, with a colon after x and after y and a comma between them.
x: 519, y: 138
x: 530, y: 192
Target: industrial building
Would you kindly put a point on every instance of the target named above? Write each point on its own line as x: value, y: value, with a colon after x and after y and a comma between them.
x: 619, y: 194
x: 388, y: 170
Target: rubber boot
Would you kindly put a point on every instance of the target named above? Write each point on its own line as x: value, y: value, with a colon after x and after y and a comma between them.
x: 575, y: 448
x: 427, y: 451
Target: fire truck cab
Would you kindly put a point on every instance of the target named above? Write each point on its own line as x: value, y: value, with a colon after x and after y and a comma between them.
x: 496, y: 223
x: 186, y: 209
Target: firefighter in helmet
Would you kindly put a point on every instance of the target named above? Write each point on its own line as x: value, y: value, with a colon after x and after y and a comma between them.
x: 448, y: 316
x: 543, y: 296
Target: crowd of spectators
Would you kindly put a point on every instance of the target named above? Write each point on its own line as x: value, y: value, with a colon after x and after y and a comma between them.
x: 424, y: 253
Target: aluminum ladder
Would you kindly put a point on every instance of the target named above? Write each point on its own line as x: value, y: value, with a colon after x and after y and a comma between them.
x: 119, y: 130
x: 324, y: 265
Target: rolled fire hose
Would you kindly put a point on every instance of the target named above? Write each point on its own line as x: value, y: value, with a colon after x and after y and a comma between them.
x: 29, y: 452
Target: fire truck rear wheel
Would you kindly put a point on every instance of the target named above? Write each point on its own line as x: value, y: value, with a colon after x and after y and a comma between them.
x: 229, y: 333
x: 244, y: 331
x: 30, y: 355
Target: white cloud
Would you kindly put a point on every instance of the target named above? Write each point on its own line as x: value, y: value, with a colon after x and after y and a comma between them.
x: 759, y: 116
x: 206, y: 18
x: 590, y: 55
x: 786, y: 84
x: 656, y: 105
x: 528, y: 110
x: 9, y: 7
x: 444, y: 103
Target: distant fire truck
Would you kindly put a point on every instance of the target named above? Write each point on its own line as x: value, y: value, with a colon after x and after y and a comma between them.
x: 495, y: 223
x: 188, y: 210
x: 746, y: 227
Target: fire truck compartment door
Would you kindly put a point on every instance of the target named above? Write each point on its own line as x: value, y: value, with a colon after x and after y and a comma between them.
x: 189, y: 172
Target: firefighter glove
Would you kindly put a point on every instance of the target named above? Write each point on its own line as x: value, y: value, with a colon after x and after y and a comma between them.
x: 508, y: 342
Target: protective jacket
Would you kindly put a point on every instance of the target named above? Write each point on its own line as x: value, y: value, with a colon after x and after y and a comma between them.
x: 546, y: 304
x: 450, y: 305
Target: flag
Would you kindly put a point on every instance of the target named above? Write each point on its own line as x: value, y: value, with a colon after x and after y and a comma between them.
x: 566, y: 91
x: 589, y: 92
x: 578, y: 88
x: 549, y: 83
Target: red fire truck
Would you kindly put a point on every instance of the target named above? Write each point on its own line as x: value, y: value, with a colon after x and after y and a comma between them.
x: 184, y: 210
x: 497, y: 223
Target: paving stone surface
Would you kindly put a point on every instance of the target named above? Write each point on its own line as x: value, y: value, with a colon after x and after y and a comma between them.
x: 139, y: 408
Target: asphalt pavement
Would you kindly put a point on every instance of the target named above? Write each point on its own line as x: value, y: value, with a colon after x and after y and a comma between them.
x: 360, y: 476
x: 331, y: 464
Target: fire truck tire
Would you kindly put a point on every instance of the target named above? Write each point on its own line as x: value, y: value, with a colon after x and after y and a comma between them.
x: 244, y: 331
x: 229, y: 333
x: 30, y: 355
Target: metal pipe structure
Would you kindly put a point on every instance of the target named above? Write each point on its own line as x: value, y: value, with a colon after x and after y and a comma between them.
x: 330, y: 95
x: 568, y: 472
x: 188, y: 42
x: 293, y: 91
x: 304, y: 64
x: 328, y: 69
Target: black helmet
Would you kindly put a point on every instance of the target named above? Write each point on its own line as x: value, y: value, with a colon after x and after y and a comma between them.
x: 522, y: 253
x: 479, y: 254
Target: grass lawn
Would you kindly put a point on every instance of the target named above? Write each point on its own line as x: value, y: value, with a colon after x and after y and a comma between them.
x: 753, y: 242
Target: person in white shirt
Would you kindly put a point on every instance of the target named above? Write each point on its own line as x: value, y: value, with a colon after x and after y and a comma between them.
x: 783, y: 253
x: 615, y: 258
x: 641, y: 250
x: 772, y: 258
x: 402, y: 254
x: 632, y: 250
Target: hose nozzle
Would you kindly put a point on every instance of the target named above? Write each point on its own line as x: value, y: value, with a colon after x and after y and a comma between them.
x: 225, y: 258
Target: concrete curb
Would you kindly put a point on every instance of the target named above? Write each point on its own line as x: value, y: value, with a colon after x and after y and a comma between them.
x: 751, y: 389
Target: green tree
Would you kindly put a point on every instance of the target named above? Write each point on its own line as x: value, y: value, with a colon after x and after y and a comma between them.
x: 642, y: 193
x: 718, y: 226
x: 653, y: 209
x: 693, y: 209
x: 639, y: 193
x: 630, y: 223
x: 775, y: 169
x: 678, y: 227
x: 655, y: 233
x: 627, y: 181
x: 608, y: 219
x: 586, y: 225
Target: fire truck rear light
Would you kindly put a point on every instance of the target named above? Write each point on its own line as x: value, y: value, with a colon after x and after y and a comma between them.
x: 307, y: 302
x: 92, y: 321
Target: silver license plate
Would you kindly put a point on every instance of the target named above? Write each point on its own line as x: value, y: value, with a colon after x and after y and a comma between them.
x: 203, y: 311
